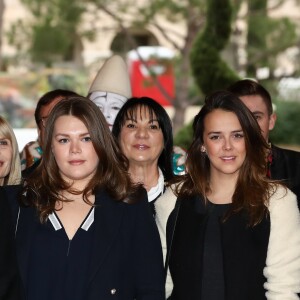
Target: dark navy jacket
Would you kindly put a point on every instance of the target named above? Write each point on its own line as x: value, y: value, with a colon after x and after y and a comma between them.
x: 9, y: 273
x: 126, y: 261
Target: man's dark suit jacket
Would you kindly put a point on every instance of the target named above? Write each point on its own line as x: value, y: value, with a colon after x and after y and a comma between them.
x: 126, y: 261
x: 286, y: 167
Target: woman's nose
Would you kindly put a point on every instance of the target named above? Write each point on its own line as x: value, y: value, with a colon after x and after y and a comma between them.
x: 75, y: 148
x: 141, y: 132
x: 227, y: 144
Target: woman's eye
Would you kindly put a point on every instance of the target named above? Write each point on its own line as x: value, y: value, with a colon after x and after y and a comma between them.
x: 87, y: 139
x: 154, y: 127
x: 238, y: 135
x: 214, y: 137
x: 63, y: 141
x: 3, y: 142
x: 130, y: 125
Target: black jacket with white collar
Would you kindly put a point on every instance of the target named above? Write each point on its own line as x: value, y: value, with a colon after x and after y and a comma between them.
x: 126, y: 261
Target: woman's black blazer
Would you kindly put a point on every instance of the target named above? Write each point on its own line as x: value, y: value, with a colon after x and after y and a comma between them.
x: 126, y: 261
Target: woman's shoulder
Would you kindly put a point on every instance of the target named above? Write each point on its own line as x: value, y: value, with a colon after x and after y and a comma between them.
x: 165, y: 204
x: 280, y: 195
x: 10, y: 195
x: 283, y: 259
x: 11, y: 188
x: 137, y: 198
x: 283, y: 203
x: 168, y: 198
x: 11, y: 192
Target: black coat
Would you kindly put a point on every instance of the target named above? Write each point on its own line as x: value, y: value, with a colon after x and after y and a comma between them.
x: 244, y: 253
x: 27, y: 172
x: 126, y: 261
x: 286, y: 166
x: 9, y: 273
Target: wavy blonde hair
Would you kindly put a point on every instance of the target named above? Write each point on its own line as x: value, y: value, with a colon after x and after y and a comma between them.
x: 14, y: 175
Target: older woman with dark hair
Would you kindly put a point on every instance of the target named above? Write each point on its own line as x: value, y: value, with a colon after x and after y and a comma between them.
x: 143, y: 130
x: 84, y: 231
x: 234, y: 233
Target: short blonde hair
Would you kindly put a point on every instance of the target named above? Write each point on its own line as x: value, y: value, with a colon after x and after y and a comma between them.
x: 14, y: 175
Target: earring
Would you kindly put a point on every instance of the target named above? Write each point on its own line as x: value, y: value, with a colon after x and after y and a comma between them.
x: 203, y: 150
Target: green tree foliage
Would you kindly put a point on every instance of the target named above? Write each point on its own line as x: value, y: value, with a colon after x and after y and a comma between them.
x: 267, y: 37
x: 287, y: 129
x: 209, y: 70
x: 149, y: 14
x: 183, y: 138
x: 2, y: 9
x: 192, y: 15
x: 54, y: 32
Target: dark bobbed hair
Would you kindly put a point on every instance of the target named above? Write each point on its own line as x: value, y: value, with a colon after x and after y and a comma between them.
x: 249, y: 87
x: 48, y: 98
x: 129, y: 111
x: 253, y: 189
x: 44, y: 186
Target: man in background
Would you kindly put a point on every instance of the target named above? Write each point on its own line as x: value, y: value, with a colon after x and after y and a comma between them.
x: 283, y: 164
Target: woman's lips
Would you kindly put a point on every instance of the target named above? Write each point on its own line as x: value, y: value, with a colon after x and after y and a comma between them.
x: 76, y: 162
x: 228, y: 158
x: 141, y: 146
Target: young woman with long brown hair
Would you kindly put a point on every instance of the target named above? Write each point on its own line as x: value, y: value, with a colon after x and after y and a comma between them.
x: 234, y: 234
x: 83, y: 230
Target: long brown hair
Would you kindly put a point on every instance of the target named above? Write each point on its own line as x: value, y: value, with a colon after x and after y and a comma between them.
x: 43, y: 188
x: 253, y: 189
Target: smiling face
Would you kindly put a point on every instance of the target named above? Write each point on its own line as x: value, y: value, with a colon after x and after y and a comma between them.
x: 109, y: 104
x: 224, y: 143
x: 73, y: 150
x: 258, y: 107
x: 6, y: 154
x: 141, y: 139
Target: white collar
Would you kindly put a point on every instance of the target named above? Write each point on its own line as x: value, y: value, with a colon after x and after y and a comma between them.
x: 158, y: 189
x: 85, y: 226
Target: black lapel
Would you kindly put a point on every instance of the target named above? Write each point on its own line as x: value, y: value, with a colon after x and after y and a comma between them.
x: 108, y: 219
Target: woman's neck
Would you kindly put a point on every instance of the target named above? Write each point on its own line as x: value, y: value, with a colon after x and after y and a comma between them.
x: 76, y: 198
x: 222, y: 189
x: 147, y: 175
